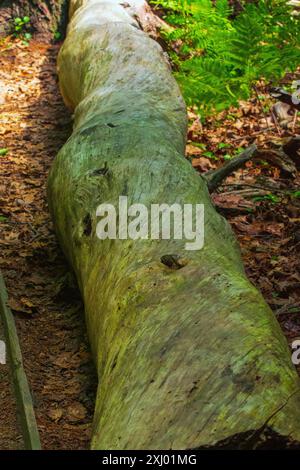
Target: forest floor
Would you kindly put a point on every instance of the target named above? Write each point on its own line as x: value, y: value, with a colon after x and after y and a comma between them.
x: 34, y: 124
x: 259, y: 201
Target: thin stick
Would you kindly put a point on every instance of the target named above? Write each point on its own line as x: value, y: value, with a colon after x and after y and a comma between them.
x: 294, y: 120
x: 22, y: 391
x: 261, y: 107
x: 214, y: 178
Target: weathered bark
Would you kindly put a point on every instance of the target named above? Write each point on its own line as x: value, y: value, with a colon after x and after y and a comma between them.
x: 46, y: 16
x: 186, y: 358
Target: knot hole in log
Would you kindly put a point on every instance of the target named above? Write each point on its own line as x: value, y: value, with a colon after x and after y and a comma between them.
x: 174, y: 261
x: 87, y: 225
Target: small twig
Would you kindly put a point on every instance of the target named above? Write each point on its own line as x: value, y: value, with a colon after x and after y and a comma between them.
x: 253, y: 134
x: 261, y: 107
x: 266, y: 187
x: 248, y: 192
x: 280, y: 159
x: 275, y: 120
x: 215, y: 177
x: 294, y: 120
x: 286, y: 309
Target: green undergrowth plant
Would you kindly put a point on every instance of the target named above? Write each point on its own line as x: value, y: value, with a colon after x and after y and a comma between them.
x: 21, y: 27
x: 218, y: 55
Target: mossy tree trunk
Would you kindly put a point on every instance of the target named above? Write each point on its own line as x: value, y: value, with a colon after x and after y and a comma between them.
x: 186, y: 358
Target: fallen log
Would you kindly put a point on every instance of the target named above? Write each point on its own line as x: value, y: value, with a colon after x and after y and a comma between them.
x: 188, y: 353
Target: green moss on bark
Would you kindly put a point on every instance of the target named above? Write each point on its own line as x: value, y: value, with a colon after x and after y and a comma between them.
x: 186, y: 358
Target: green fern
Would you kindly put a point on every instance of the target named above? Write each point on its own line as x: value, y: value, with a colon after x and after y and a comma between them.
x: 219, y: 57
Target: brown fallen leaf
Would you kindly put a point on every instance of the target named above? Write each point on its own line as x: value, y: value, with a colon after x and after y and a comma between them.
x: 76, y: 412
x: 18, y: 306
x: 55, y: 414
x: 26, y: 302
x: 202, y: 164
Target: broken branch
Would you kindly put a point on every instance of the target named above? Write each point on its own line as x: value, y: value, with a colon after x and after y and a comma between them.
x: 215, y: 177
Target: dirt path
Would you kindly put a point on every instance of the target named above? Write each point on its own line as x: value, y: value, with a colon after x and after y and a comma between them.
x: 34, y: 124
